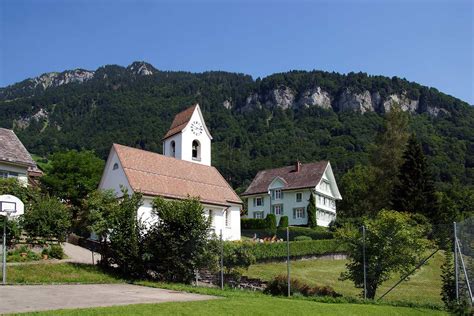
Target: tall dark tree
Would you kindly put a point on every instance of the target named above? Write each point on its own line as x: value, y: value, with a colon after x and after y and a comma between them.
x: 312, y: 212
x: 415, y: 191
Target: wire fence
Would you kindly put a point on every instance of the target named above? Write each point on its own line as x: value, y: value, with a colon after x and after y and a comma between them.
x: 464, y: 259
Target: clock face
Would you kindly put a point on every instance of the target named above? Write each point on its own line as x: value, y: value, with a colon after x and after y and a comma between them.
x: 196, y: 128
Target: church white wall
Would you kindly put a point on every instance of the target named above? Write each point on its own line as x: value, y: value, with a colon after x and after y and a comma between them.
x: 229, y: 232
x: 187, y: 140
x: 113, y: 179
x: 167, y: 146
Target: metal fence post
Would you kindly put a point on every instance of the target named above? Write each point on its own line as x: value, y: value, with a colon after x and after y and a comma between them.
x: 222, y: 261
x: 456, y: 270
x: 4, y: 258
x: 365, y: 265
x: 288, y: 259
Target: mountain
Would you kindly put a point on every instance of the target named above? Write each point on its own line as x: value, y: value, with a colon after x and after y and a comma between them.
x: 256, y: 124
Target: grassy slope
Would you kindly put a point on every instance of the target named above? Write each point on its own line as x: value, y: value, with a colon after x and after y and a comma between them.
x: 57, y: 273
x: 423, y: 287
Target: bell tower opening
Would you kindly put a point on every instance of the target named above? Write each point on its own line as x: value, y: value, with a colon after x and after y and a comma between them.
x: 196, y: 150
x: 173, y: 148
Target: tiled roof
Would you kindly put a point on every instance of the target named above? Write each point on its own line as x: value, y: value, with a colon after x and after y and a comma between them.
x: 12, y: 150
x: 180, y: 121
x: 157, y: 175
x: 309, y: 176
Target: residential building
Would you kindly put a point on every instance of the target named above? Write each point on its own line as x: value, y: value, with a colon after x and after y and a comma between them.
x: 15, y: 160
x: 183, y: 171
x: 286, y: 192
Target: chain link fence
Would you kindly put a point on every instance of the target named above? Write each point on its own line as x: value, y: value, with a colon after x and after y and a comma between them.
x: 464, y: 259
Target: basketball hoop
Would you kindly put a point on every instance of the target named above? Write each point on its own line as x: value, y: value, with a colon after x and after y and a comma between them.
x: 9, y: 206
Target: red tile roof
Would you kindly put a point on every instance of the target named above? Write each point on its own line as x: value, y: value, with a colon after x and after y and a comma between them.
x: 157, y: 175
x: 309, y: 176
x: 180, y: 121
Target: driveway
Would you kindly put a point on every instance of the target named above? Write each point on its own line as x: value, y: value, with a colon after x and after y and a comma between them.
x: 28, y: 298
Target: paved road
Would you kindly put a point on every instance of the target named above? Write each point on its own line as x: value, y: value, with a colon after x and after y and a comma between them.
x: 28, y: 298
x: 79, y: 255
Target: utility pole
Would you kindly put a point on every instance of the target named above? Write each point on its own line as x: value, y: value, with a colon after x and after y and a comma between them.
x: 365, y: 266
x: 288, y: 259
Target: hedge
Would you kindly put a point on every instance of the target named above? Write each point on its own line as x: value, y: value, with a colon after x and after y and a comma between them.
x: 252, y: 223
x: 314, y: 233
x: 277, y: 250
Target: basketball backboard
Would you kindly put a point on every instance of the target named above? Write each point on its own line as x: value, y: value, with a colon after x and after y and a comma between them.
x: 11, y: 206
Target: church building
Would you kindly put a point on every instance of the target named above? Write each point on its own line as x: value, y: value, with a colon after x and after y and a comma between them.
x: 184, y: 170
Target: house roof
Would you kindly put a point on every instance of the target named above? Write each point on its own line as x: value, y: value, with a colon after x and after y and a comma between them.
x: 180, y: 121
x: 309, y: 176
x: 12, y: 149
x: 157, y: 175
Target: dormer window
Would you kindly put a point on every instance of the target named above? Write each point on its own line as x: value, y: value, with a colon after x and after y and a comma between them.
x: 277, y: 194
x: 173, y: 149
x: 196, y: 150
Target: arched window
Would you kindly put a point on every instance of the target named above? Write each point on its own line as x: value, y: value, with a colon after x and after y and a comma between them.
x: 115, y: 167
x: 173, y: 149
x: 196, y: 150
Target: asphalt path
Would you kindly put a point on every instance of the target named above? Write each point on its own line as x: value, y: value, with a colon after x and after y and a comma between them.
x: 29, y: 298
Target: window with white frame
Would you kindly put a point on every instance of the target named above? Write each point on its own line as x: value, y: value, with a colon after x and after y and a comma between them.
x: 258, y: 201
x: 258, y: 214
x: 277, y: 209
x: 211, y: 217
x: 299, y: 212
x: 8, y: 174
x: 278, y: 194
x: 299, y: 197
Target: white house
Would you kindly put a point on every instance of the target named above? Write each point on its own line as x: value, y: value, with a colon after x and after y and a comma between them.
x: 184, y: 170
x: 286, y: 191
x: 15, y: 160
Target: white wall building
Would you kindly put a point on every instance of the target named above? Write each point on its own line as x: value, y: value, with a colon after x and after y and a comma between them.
x: 184, y: 170
x: 15, y: 160
x: 286, y: 192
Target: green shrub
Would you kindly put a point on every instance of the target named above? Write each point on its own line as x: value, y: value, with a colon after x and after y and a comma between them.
x: 283, y: 222
x: 56, y: 252
x: 302, y: 238
x: 237, y: 256
x: 48, y: 218
x: 279, y: 286
x: 22, y: 254
x: 271, y: 224
x: 278, y: 251
x: 252, y: 223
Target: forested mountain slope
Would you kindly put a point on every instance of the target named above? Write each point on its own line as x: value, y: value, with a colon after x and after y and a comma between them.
x: 256, y: 124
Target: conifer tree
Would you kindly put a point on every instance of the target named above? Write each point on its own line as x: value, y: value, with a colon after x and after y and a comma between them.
x: 414, y: 192
x: 312, y: 212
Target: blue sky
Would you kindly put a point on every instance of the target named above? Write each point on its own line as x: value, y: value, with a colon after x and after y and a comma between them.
x: 430, y: 42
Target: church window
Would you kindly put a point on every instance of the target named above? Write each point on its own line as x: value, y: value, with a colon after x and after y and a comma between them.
x: 227, y: 218
x: 115, y: 167
x: 196, y: 150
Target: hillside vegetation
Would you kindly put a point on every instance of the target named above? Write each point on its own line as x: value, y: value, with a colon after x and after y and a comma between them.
x: 256, y: 124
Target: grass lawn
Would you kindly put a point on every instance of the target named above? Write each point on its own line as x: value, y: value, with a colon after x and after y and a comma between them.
x: 423, y: 287
x: 50, y: 273
x: 235, y: 302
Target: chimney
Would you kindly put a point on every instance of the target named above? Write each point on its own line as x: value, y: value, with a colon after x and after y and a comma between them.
x: 297, y: 166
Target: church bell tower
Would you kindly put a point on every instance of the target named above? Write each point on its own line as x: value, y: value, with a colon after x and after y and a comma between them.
x: 188, y: 137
